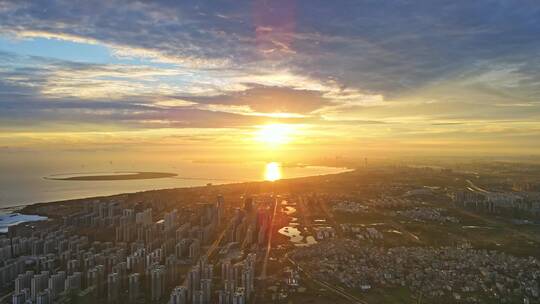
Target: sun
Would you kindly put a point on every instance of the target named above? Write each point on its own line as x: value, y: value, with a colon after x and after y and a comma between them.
x: 272, y: 171
x: 274, y: 134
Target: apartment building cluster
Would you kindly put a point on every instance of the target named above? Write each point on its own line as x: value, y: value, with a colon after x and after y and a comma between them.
x: 143, y: 261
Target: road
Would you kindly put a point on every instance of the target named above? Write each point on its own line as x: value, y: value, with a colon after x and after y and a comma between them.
x: 335, y: 289
x: 493, y: 221
x: 6, y: 297
x: 476, y: 188
x: 399, y: 227
x: 211, y: 250
x: 269, y: 244
x: 262, y: 287
x: 217, y: 241
x: 330, y: 217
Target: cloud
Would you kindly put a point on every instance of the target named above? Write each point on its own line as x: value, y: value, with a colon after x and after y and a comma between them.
x: 177, y: 35
x: 390, y: 67
x: 377, y: 48
x: 271, y: 100
x: 123, y: 51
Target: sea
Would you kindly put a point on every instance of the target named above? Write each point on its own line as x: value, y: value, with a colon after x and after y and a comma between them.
x: 24, y: 184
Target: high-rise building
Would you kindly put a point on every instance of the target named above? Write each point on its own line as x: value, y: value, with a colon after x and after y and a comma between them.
x: 18, y: 298
x: 157, y: 279
x: 229, y: 286
x: 133, y: 286
x: 247, y: 281
x: 194, y: 249
x: 96, y: 278
x: 169, y: 220
x: 23, y: 281
x: 73, y: 266
x: 128, y: 213
x: 113, y: 287
x: 206, y: 288
x: 224, y: 297
x: 182, y: 232
x: 39, y: 283
x: 172, y: 269
x: 144, y: 218
x: 237, y: 272
x: 261, y: 237
x: 193, y: 280
x: 74, y: 281
x: 226, y: 270
x: 57, y: 284
x: 207, y: 270
x: 220, y: 205
x: 44, y: 297
x: 248, y: 204
x: 181, y: 249
x: 179, y: 295
x: 198, y: 297
x: 239, y: 297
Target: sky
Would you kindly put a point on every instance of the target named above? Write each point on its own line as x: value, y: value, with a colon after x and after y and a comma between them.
x: 269, y: 79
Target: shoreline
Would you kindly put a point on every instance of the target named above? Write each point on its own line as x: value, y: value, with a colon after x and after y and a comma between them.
x: 113, y: 176
x: 33, y: 208
x: 22, y: 207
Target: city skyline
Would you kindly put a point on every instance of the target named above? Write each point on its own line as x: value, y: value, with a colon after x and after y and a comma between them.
x: 269, y: 151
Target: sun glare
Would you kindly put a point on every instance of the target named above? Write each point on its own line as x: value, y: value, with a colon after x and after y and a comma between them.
x: 272, y: 172
x: 274, y: 134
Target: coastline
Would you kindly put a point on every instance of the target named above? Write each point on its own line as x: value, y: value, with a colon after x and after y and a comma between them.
x: 35, y: 185
x: 32, y: 213
x: 37, y: 208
